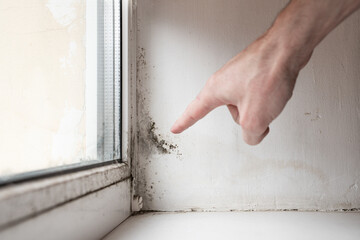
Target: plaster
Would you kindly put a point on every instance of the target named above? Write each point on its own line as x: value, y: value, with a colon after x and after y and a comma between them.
x: 309, y: 161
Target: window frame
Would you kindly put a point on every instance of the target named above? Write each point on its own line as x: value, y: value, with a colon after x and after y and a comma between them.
x: 26, y: 198
x: 103, y: 94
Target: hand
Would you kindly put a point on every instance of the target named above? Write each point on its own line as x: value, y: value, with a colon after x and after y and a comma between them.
x: 255, y: 86
x: 257, y: 83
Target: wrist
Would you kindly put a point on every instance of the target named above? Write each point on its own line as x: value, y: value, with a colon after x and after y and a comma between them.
x: 291, y: 52
x: 301, y: 26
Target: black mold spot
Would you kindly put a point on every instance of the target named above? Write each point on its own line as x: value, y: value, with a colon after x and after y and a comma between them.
x: 161, y: 145
x: 141, y: 60
x: 350, y: 210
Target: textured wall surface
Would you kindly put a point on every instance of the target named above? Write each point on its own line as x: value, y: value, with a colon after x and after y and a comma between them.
x: 42, y: 83
x: 311, y: 158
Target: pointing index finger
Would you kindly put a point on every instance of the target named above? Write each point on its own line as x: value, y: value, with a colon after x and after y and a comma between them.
x: 197, y: 109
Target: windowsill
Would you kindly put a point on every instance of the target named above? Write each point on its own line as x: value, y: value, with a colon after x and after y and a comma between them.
x: 239, y: 225
x: 21, y: 201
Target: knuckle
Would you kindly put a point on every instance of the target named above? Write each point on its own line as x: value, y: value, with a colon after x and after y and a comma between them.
x: 252, y: 125
x: 202, y: 100
x: 212, y: 82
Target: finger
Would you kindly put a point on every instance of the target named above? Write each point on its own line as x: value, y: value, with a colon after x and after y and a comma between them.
x: 196, y: 110
x: 234, y: 112
x: 254, y: 139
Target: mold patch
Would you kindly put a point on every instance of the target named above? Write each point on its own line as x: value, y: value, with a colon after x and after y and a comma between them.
x: 148, y: 136
x: 153, y: 142
x: 161, y: 144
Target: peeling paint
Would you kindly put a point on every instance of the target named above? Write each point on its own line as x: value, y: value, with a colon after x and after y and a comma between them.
x: 354, y: 187
x: 314, y: 116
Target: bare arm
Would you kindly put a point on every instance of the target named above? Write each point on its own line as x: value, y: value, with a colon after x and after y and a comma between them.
x: 258, y: 82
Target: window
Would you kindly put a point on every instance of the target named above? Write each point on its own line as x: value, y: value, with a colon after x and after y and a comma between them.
x: 60, y: 72
x: 65, y: 89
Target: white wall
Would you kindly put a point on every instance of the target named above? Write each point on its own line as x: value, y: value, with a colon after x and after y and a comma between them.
x: 311, y: 158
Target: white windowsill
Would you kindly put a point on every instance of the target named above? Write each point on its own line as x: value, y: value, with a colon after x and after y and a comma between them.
x: 19, y: 202
x: 240, y: 225
x: 90, y: 217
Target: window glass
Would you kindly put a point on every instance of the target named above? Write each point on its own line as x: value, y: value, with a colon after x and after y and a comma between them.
x: 59, y: 83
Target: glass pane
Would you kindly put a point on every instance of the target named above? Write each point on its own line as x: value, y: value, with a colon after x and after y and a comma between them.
x: 59, y: 83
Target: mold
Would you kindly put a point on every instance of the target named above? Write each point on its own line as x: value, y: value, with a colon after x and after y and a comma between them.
x: 349, y: 210
x: 151, y: 140
x: 161, y: 144
x: 141, y: 62
x: 148, y: 137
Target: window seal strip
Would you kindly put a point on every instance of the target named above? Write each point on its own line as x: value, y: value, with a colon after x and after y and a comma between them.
x: 54, y: 171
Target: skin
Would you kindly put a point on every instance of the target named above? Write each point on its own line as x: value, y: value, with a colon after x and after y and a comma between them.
x: 258, y: 82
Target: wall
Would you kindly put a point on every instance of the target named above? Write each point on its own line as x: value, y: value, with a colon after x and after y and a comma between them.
x: 309, y: 161
x: 42, y: 84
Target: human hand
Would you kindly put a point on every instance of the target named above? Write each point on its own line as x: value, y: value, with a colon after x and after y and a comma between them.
x: 255, y: 86
x: 257, y: 83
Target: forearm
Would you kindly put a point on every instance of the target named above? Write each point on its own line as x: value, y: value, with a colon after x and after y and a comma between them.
x: 304, y: 23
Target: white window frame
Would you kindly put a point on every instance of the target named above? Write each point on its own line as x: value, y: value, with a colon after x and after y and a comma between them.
x: 98, y: 198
